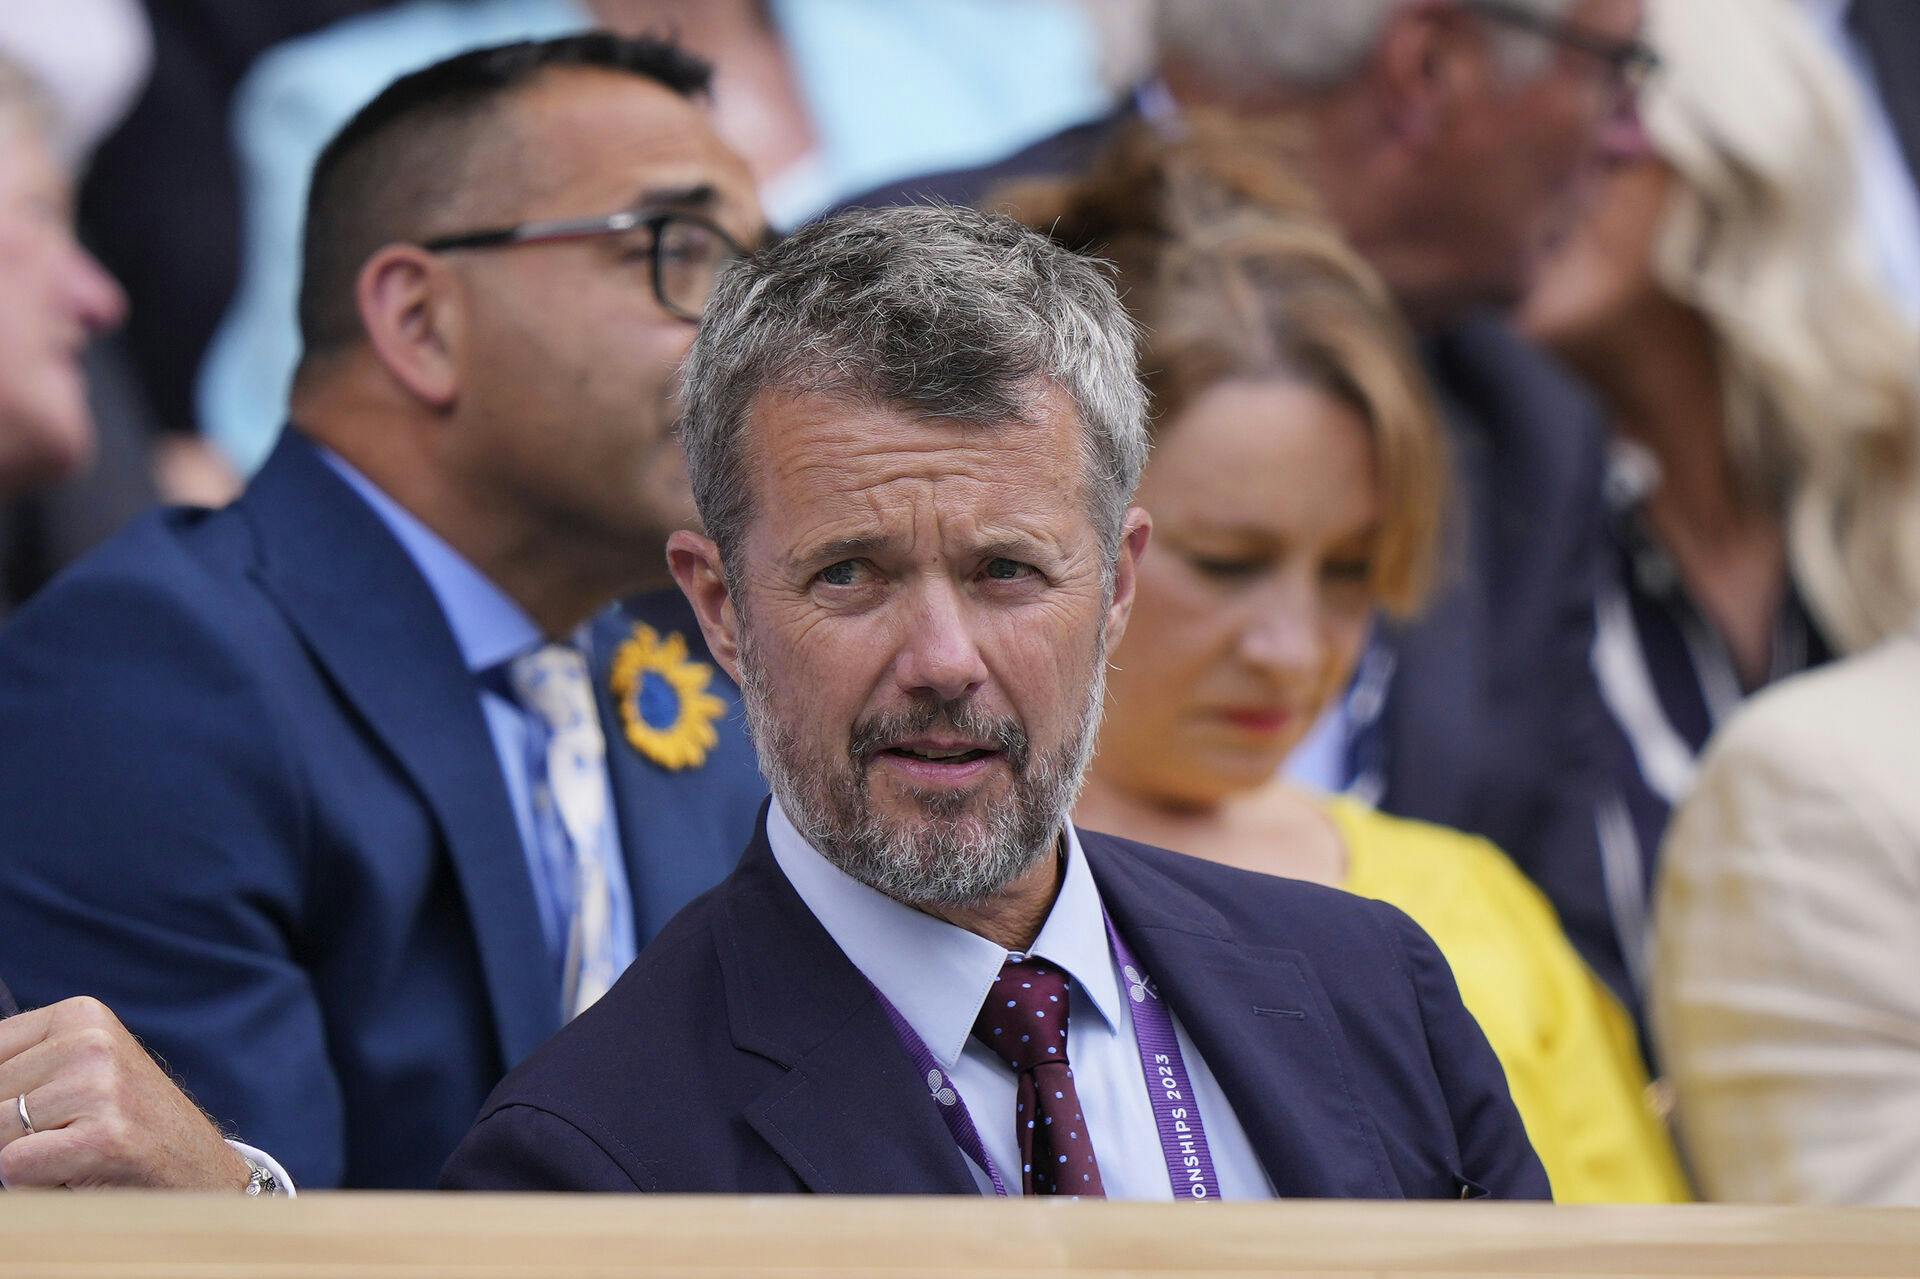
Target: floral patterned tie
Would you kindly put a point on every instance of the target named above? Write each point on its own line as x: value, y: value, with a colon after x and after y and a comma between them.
x: 553, y: 683
x: 1024, y: 1020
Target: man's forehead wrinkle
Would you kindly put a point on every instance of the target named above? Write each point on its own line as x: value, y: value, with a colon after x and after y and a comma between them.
x: 935, y: 449
x: 891, y: 479
x: 910, y: 495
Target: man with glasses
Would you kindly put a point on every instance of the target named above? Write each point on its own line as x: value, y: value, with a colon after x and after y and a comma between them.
x: 346, y: 797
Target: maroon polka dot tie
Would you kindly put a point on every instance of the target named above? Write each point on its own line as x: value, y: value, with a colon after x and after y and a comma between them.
x: 1025, y: 1021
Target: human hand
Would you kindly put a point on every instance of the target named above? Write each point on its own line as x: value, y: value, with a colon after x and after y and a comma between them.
x: 103, y: 1112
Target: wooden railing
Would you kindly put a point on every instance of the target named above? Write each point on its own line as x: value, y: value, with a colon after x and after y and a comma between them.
x: 368, y: 1236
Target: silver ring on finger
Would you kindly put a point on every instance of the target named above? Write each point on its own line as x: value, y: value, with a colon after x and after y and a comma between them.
x: 26, y: 1120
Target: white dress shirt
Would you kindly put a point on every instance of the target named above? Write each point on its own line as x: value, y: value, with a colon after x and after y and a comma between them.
x: 937, y: 975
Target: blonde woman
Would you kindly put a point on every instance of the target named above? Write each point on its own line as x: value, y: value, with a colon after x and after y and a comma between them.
x: 1295, y: 488
x: 1762, y: 390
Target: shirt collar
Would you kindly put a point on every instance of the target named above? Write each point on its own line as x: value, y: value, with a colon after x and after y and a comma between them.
x: 1075, y: 935
x: 935, y: 973
x: 487, y: 625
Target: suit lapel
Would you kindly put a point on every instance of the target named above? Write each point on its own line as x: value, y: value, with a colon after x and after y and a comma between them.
x: 635, y: 785
x: 1261, y: 1021
x: 850, y: 1116
x: 373, y: 625
x: 671, y: 862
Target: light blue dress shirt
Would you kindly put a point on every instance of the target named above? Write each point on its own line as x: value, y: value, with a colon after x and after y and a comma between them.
x: 490, y: 630
x: 937, y: 974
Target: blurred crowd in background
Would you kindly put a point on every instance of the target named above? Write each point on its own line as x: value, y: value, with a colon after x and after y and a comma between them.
x: 1522, y: 442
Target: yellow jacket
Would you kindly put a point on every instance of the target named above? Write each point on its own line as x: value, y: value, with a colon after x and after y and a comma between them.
x: 1568, y: 1047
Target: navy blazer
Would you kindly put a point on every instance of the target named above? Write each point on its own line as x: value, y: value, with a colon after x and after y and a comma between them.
x: 251, y: 803
x: 7, y: 1007
x: 744, y: 1052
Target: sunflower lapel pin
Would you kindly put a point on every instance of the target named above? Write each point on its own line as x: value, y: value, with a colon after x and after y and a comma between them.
x: 668, y: 714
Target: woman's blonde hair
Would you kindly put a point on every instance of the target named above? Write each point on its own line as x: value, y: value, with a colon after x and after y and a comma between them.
x: 1764, y: 237
x: 1227, y: 262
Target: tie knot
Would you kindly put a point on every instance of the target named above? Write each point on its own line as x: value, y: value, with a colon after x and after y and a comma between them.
x: 1024, y: 1018
x: 553, y: 683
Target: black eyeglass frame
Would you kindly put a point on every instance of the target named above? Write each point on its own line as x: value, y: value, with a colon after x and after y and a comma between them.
x: 653, y: 221
x: 1632, y: 62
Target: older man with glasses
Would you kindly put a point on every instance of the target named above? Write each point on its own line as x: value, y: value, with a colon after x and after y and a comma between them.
x: 347, y: 796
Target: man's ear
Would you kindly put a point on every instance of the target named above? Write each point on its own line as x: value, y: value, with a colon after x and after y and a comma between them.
x: 1126, y: 571
x: 408, y: 301
x: 1429, y: 57
x: 694, y: 560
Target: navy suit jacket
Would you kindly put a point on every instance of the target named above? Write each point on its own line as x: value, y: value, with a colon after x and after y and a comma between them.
x: 1493, y: 722
x: 251, y: 803
x: 7, y: 1007
x: 743, y: 1052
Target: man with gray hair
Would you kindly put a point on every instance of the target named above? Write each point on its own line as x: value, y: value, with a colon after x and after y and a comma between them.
x: 1452, y: 141
x: 914, y: 437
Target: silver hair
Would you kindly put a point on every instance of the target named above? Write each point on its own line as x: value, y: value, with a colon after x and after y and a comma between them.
x: 942, y: 311
x: 1253, y: 45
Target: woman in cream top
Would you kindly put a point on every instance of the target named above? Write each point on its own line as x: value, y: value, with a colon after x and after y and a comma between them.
x: 1295, y: 490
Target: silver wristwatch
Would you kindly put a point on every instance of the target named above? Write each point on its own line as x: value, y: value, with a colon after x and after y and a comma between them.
x: 262, y: 1183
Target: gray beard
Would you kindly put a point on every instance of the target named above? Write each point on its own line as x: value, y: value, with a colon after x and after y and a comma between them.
x: 945, y: 857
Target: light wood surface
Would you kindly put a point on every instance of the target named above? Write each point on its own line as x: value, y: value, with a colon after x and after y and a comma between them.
x: 366, y: 1236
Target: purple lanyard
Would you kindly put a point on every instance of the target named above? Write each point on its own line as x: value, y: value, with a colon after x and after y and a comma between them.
x: 945, y: 1093
x: 1176, y: 1111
